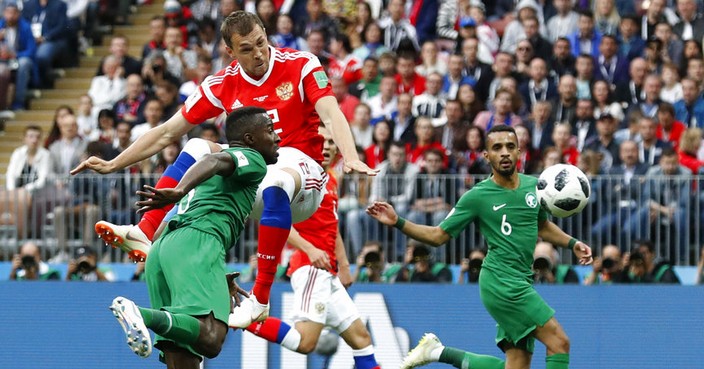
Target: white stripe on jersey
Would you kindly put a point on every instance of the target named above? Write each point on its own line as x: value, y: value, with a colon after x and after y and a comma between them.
x: 209, y: 94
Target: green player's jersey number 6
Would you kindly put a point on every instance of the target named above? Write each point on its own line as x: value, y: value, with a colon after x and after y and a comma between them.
x: 505, y: 226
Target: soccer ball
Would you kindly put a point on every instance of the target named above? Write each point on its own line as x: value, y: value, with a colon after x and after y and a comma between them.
x: 563, y: 190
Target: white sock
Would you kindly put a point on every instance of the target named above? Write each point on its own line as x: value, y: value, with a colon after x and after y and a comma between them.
x: 435, y: 354
x: 292, y: 339
x: 369, y: 350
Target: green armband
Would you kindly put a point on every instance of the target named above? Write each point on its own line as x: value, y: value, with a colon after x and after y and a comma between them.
x: 399, y: 223
x: 572, y: 242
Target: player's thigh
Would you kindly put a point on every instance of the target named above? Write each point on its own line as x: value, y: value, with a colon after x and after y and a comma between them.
x: 554, y: 337
x: 301, y: 177
x: 310, y: 333
x: 312, y: 289
x: 341, y: 310
x: 159, y: 292
x: 193, y: 263
x: 517, y: 358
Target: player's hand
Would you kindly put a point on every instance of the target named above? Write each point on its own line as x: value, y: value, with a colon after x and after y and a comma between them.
x: 319, y: 259
x: 157, y: 198
x: 345, y: 276
x: 235, y: 289
x: 583, y: 253
x: 95, y: 163
x: 383, y: 212
x: 359, y: 167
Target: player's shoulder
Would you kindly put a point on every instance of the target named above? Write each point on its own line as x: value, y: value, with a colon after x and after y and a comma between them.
x: 229, y: 72
x: 285, y: 54
x: 245, y: 156
x: 527, y: 180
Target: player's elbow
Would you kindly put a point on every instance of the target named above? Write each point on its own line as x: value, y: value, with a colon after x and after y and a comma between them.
x: 438, y: 237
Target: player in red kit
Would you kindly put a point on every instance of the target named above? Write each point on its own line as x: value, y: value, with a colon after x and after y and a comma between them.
x: 320, y: 273
x: 294, y: 89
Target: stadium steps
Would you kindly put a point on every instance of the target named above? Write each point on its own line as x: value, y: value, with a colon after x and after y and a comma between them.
x: 73, y: 84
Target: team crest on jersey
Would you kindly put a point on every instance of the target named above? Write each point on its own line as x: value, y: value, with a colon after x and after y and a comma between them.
x: 319, y: 307
x: 285, y: 91
x: 531, y: 200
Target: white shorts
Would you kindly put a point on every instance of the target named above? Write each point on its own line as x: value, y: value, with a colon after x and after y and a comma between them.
x: 320, y: 297
x: 313, y: 180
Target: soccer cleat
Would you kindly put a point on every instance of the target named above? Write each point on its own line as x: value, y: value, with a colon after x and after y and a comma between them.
x: 129, y: 239
x: 130, y: 319
x: 420, y: 355
x: 249, y: 311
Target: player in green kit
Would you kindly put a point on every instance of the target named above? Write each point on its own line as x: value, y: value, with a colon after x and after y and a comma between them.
x: 185, y: 271
x: 505, y: 207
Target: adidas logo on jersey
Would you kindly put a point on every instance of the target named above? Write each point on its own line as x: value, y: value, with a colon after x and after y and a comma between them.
x: 237, y: 104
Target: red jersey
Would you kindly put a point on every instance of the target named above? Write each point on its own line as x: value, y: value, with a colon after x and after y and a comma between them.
x: 674, y: 136
x: 349, y: 69
x: 289, y: 90
x: 320, y: 229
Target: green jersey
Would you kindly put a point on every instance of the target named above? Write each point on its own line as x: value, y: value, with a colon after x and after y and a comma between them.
x: 508, y: 220
x: 220, y: 205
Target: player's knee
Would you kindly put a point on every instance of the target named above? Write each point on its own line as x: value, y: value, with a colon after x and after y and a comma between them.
x: 282, y: 180
x: 212, y: 338
x: 307, y: 345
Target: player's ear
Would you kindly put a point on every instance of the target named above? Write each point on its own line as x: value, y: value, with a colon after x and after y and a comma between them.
x: 248, y: 139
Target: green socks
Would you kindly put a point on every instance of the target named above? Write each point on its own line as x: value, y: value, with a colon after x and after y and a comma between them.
x: 178, y: 327
x: 557, y: 361
x: 467, y: 360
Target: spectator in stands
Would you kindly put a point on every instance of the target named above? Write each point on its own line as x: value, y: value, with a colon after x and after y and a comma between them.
x: 360, y: 126
x: 86, y: 204
x: 208, y: 41
x: 17, y: 56
x: 180, y: 16
x: 564, y: 23
x: 368, y: 86
x: 372, y: 265
x: 606, y: 17
x: 665, y: 207
x: 399, y: 34
x: 695, y: 71
x: 651, y: 102
x: 48, y: 18
x: 402, y: 120
x: 435, y: 192
x: 429, y: 61
x: 87, y: 122
x: 67, y: 150
x: 471, y: 105
x: 210, y: 132
x: 540, y: 126
x: 474, y: 68
x: 452, y: 132
x: 654, y: 14
x: 587, y: 38
x: 123, y: 138
x: 131, y: 107
x: 471, y: 161
x: 547, y: 268
x: 584, y: 67
x: 603, y: 102
x: 607, y: 268
x: 385, y: 103
x: 344, y: 65
x: 565, y: 106
x: 422, y: 268
x: 266, y: 11
x: 27, y: 265
x: 119, y: 47
x: 657, y: 270
x: 284, y: 36
x: 27, y: 173
x: 163, y: 159
x: 154, y: 72
x: 585, y: 127
x: 653, y: 55
x: 691, y: 24
x: 502, y: 113
x: 454, y: 77
x: 223, y: 59
x: 529, y: 159
x: 541, y: 46
x: 562, y: 62
x: 631, y: 45
x: 54, y: 134
x: 408, y: 81
x: 205, y: 9
x: 106, y: 132
x: 689, y: 146
x: 373, y: 45
x: 632, y: 92
x: 315, y: 19
x: 347, y: 102
x: 621, y: 203
x: 180, y: 60
x: 167, y: 93
x: 395, y: 183
x: 671, y: 91
x: 471, y: 266
x: 153, y: 113
x: 563, y: 142
x: 539, y: 87
x: 609, y: 65
x: 381, y: 140
x: 157, y: 29
x: 690, y: 109
x: 426, y: 140
x: 84, y: 267
x: 672, y: 47
x: 431, y: 103
x: 358, y: 23
x: 387, y: 64
x: 650, y: 148
x: 669, y: 129
x: 514, y: 32
x: 107, y: 89
x: 524, y: 54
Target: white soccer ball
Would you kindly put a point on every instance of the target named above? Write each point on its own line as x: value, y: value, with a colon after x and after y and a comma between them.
x: 563, y: 190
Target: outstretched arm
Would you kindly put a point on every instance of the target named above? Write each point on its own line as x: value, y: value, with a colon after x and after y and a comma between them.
x: 147, y: 145
x: 550, y: 232
x: 212, y: 164
x: 385, y: 213
x: 331, y: 115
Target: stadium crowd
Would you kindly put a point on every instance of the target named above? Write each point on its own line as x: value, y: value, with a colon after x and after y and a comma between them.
x: 608, y: 85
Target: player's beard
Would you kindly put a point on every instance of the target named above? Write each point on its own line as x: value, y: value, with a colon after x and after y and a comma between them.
x: 507, y: 172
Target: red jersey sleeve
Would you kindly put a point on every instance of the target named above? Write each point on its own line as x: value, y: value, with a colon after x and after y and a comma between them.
x: 315, y: 81
x: 205, y: 102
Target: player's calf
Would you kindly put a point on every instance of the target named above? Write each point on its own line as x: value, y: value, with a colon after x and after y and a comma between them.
x: 211, y: 337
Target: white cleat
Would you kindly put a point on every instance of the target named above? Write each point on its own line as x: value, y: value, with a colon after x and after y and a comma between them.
x: 249, y: 311
x: 130, y: 319
x: 420, y: 355
x: 129, y: 239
